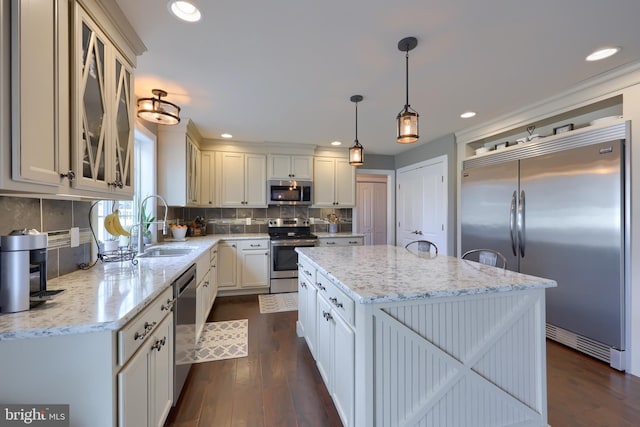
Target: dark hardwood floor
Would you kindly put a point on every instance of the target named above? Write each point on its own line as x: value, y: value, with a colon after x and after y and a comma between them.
x: 278, y: 384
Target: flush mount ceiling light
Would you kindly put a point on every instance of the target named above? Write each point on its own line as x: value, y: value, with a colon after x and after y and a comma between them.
x: 185, y: 10
x: 226, y: 135
x: 407, y: 118
x: 157, y: 110
x: 356, y: 150
x: 602, y: 53
x: 336, y: 143
x: 467, y: 114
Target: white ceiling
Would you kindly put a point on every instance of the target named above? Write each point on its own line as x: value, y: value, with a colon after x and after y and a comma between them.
x: 284, y: 70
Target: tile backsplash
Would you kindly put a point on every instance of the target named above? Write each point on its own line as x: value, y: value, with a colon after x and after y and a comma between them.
x: 49, y: 215
x: 224, y: 220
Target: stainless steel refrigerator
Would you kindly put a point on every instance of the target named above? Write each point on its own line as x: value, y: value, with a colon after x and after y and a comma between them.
x: 556, y: 208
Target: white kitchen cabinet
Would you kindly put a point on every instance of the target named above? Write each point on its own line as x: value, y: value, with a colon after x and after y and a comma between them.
x: 254, y: 264
x: 335, y: 349
x: 284, y: 167
x: 39, y: 95
x: 103, y: 121
x: 334, y: 182
x: 243, y: 266
x: 341, y: 241
x: 179, y: 163
x: 306, y: 326
x: 227, y: 265
x: 207, y: 179
x: 145, y: 350
x: 145, y: 384
x: 242, y: 180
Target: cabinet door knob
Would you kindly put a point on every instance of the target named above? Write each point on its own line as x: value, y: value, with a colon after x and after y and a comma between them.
x: 70, y: 175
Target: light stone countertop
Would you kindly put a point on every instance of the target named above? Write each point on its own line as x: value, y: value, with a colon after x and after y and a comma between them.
x: 376, y: 274
x: 104, y: 297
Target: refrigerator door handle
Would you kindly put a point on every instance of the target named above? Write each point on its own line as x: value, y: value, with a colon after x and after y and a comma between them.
x: 521, y: 224
x: 512, y: 222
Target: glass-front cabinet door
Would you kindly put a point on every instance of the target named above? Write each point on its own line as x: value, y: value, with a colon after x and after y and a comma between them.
x: 103, y: 139
x: 91, y: 105
x: 123, y: 126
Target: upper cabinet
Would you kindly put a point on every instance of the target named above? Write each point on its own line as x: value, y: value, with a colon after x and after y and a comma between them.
x: 34, y: 92
x: 103, y: 126
x: 284, y: 167
x: 334, y: 183
x: 242, y: 178
x: 179, y: 164
x: 66, y: 87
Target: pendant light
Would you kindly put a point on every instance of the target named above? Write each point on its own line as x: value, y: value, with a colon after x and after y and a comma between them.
x: 356, y: 157
x: 157, y: 110
x: 407, y: 118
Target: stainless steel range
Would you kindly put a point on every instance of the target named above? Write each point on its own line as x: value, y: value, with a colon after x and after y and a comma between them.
x: 286, y: 235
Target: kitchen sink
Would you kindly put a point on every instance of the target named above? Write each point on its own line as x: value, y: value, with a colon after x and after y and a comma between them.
x: 164, y: 252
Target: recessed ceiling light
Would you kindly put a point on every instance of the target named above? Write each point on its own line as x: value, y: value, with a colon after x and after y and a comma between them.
x: 467, y: 115
x: 603, y: 53
x: 185, y: 10
x: 226, y: 135
x: 336, y: 143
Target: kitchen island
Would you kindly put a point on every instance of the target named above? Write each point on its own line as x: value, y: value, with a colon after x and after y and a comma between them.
x: 407, y: 340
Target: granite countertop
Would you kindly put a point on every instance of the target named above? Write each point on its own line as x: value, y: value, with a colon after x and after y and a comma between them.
x: 104, y: 297
x: 374, y: 274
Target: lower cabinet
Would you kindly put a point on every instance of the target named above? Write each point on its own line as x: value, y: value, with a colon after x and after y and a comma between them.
x: 335, y: 349
x: 307, y: 312
x: 227, y: 260
x: 244, y: 266
x: 145, y: 384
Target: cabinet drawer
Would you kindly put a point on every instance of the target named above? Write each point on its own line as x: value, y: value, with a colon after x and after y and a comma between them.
x: 307, y: 271
x: 140, y: 328
x: 341, y: 303
x: 253, y: 244
x: 342, y: 241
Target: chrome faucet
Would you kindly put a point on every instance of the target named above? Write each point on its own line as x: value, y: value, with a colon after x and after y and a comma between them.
x: 140, y: 223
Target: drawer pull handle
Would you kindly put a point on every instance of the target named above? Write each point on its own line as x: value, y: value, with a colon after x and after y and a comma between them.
x: 206, y: 284
x: 159, y: 344
x: 304, y: 285
x: 331, y: 243
x: 147, y: 328
x: 335, y: 302
x: 255, y: 246
x: 327, y: 316
x: 351, y: 242
x: 168, y: 306
x: 307, y: 272
x: 321, y: 287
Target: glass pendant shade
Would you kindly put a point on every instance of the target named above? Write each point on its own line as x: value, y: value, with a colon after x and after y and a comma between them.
x: 407, y: 120
x: 157, y: 110
x: 407, y: 126
x: 356, y: 151
x: 356, y: 154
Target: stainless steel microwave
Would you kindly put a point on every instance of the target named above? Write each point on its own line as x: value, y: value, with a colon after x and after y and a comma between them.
x: 289, y: 192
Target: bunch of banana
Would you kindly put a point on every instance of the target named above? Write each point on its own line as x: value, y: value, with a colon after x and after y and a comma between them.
x: 113, y: 226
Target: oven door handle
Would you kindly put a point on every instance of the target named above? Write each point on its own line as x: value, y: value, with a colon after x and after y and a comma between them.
x: 294, y: 243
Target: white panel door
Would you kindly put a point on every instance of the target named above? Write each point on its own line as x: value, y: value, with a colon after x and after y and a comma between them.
x: 422, y: 203
x: 372, y: 212
x: 409, y: 206
x: 364, y: 207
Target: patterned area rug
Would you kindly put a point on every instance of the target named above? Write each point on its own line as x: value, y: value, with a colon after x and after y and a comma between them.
x: 274, y: 303
x: 222, y: 340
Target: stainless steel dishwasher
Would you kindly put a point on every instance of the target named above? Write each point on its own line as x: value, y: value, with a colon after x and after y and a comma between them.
x: 184, y: 315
